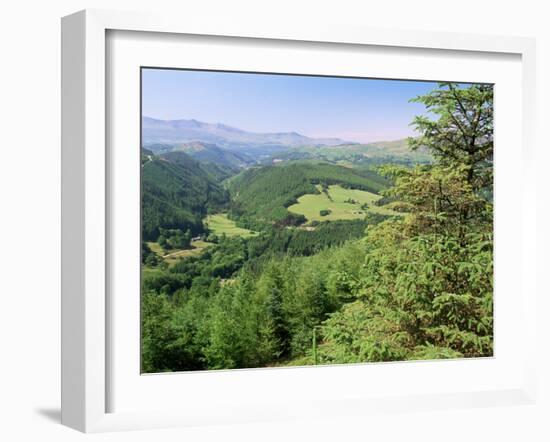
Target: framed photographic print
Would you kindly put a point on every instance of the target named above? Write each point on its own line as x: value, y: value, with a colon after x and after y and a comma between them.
x: 276, y: 223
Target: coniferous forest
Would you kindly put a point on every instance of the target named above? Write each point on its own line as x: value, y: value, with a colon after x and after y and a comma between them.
x: 266, y: 254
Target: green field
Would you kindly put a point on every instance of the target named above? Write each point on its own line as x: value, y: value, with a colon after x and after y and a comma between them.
x: 172, y: 256
x: 220, y: 224
x: 156, y: 248
x: 340, y: 209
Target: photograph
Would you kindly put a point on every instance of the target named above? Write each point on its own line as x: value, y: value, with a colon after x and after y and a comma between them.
x: 293, y: 220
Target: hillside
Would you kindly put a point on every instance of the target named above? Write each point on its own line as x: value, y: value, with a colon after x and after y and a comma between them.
x: 396, y: 151
x: 177, y: 194
x: 156, y: 131
x: 336, y: 203
x: 211, y: 153
x: 217, y: 171
x: 400, y: 148
x: 263, y: 194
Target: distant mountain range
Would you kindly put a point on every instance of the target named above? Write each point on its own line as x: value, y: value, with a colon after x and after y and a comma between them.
x: 235, y: 149
x: 170, y: 132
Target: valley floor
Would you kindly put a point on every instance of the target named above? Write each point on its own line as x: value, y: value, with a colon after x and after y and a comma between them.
x: 220, y: 224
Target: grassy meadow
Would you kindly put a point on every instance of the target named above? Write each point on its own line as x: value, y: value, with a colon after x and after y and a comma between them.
x: 343, y: 204
x: 220, y: 225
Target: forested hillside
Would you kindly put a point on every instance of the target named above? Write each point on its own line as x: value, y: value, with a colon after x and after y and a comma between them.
x: 177, y: 192
x: 262, y: 194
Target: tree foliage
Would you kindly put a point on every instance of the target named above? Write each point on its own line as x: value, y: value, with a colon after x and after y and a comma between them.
x: 426, y: 288
x: 459, y: 131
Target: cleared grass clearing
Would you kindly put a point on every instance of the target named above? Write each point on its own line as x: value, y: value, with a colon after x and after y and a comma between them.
x: 172, y: 256
x: 197, y: 248
x: 220, y: 224
x: 338, y: 202
x: 156, y: 248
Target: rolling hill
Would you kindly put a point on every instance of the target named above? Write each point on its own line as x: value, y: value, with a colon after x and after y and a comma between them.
x: 262, y: 194
x: 336, y: 203
x: 211, y: 153
x: 396, y: 151
x: 218, y: 171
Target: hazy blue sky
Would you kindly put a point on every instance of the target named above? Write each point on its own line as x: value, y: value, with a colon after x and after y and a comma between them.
x: 352, y: 109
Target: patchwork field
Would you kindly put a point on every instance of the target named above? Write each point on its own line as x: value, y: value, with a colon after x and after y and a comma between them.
x: 341, y: 203
x: 220, y: 224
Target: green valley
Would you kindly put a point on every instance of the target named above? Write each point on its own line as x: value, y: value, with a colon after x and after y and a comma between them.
x: 277, y: 249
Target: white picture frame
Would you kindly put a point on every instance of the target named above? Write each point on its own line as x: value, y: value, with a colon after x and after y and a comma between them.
x: 86, y: 352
